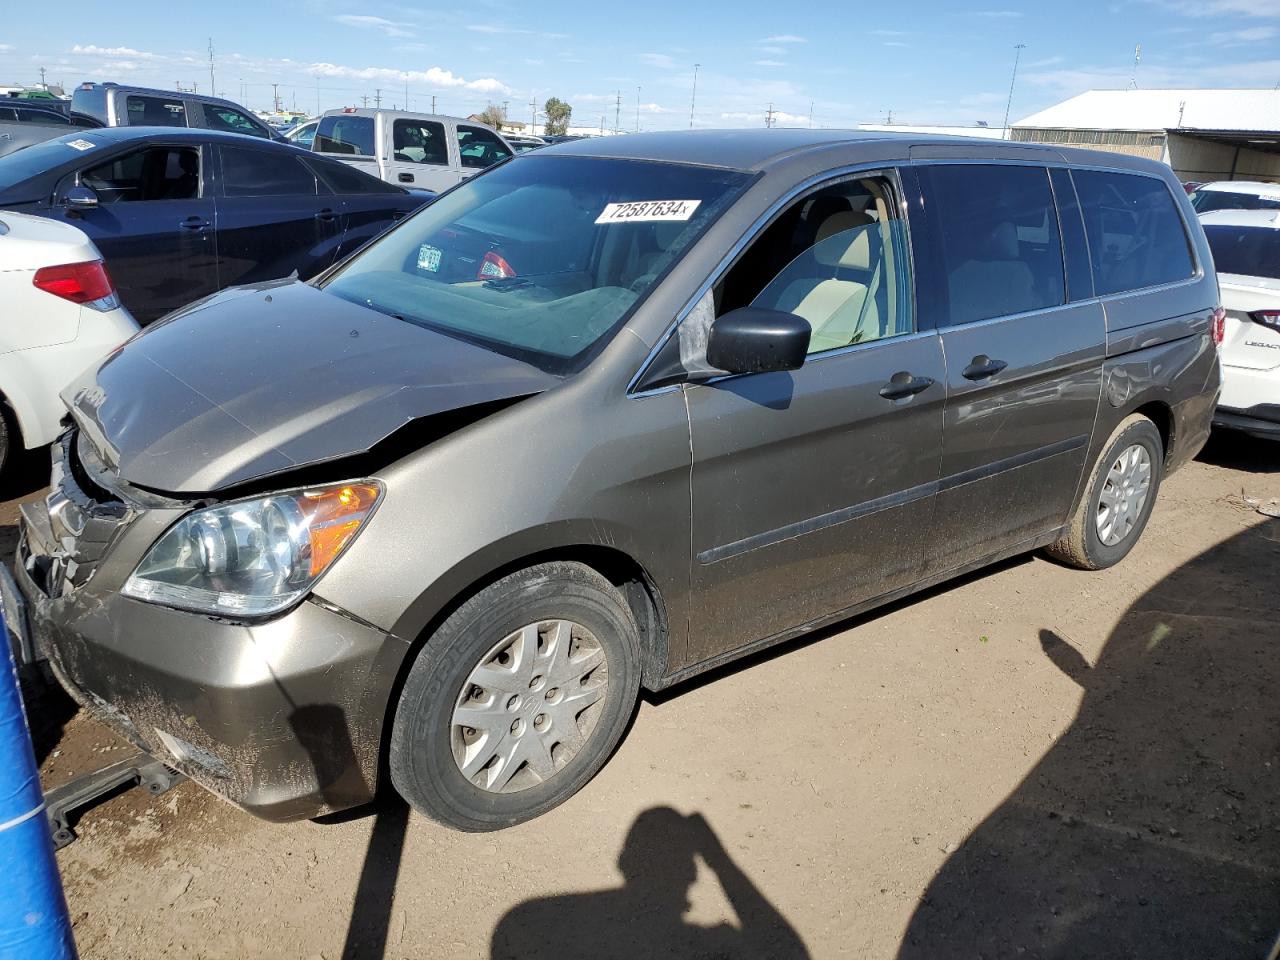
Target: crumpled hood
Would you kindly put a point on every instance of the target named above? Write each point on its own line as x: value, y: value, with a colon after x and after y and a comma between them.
x: 258, y: 380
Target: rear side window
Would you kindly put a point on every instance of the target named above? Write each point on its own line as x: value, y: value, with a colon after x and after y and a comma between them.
x: 1248, y: 251
x: 345, y: 134
x: 342, y: 178
x: 218, y: 117
x: 1136, y: 236
x: 996, y: 232
x: 155, y: 112
x: 480, y: 148
x: 256, y: 173
x: 420, y: 141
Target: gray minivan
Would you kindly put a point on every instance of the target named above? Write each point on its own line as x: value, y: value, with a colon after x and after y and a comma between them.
x: 117, y: 105
x: 612, y: 414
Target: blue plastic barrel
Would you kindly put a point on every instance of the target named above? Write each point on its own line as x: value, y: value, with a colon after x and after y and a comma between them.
x: 34, y: 924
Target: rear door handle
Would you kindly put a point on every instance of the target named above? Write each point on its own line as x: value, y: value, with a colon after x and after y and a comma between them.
x: 903, y: 384
x: 405, y: 178
x: 982, y: 367
x: 326, y: 215
x: 194, y: 223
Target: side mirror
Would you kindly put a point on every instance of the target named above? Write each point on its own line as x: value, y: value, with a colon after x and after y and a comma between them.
x: 754, y: 340
x: 80, y: 198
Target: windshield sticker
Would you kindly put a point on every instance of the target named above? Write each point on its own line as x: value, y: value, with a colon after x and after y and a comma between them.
x: 81, y: 144
x: 644, y: 211
x: 429, y: 258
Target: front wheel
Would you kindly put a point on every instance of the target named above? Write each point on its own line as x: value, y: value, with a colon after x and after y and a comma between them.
x: 1118, y: 500
x: 517, y: 700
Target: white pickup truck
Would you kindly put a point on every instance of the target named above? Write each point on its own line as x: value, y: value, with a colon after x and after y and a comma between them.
x: 409, y: 149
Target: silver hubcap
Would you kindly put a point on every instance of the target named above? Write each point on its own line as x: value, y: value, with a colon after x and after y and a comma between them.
x: 1124, y: 494
x: 529, y: 706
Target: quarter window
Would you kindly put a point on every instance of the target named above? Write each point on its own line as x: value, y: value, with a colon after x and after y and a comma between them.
x: 256, y: 173
x: 1136, y: 237
x: 480, y: 148
x: 157, y: 173
x: 996, y: 233
x: 345, y: 134
x: 155, y: 112
x: 420, y: 141
x: 837, y: 258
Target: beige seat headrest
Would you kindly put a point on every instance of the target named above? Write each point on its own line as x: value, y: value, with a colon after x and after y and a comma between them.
x: 856, y: 254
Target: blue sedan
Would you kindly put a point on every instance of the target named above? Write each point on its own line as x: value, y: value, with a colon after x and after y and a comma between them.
x: 181, y: 213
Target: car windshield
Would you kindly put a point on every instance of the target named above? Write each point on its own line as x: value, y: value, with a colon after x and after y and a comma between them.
x: 1206, y: 200
x: 541, y: 257
x: 22, y: 165
x: 1247, y: 251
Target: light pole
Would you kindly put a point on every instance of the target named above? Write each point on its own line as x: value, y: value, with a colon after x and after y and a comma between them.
x: 637, y: 109
x: 1017, y: 52
x: 693, y: 101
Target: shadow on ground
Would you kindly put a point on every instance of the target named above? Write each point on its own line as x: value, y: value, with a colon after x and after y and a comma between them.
x: 645, y: 916
x: 1239, y: 451
x: 1151, y: 828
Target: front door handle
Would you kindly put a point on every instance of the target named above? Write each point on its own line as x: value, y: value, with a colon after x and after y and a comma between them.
x: 405, y: 177
x: 982, y: 367
x: 326, y: 215
x: 194, y: 223
x: 903, y: 384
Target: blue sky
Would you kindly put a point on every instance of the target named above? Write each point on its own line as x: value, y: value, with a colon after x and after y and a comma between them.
x: 928, y: 61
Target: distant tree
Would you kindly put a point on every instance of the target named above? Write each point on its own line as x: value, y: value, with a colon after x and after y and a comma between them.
x: 558, y: 113
x: 493, y: 115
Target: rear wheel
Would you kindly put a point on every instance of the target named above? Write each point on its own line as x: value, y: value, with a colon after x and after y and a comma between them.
x: 1118, y: 500
x: 517, y: 699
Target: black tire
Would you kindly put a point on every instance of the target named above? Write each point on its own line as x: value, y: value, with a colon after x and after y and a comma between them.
x: 8, y: 433
x: 1081, y: 546
x: 422, y: 764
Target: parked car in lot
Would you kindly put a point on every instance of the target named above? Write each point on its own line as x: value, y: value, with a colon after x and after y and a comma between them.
x: 117, y: 105
x: 302, y: 134
x: 411, y: 149
x: 522, y: 142
x: 1236, y: 195
x: 721, y: 389
x: 179, y: 214
x: 1246, y: 252
x: 62, y: 314
x: 22, y: 124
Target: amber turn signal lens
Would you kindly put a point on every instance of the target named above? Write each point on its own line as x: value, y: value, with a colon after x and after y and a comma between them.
x: 336, y: 514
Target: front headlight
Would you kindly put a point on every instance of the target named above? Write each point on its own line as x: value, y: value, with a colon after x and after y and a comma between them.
x: 253, y: 557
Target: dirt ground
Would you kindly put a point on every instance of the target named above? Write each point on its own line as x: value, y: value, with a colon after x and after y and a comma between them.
x: 1029, y: 762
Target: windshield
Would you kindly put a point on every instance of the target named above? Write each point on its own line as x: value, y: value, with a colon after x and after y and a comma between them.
x: 22, y: 165
x: 543, y: 256
x: 1205, y: 200
x: 1247, y: 251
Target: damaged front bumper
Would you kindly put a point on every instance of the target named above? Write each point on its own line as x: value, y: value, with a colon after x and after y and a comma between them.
x: 283, y: 718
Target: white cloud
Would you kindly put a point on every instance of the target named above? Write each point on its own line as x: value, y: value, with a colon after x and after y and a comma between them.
x: 997, y: 14
x: 888, y: 33
x: 5, y: 47
x: 784, y: 38
x: 780, y: 117
x: 434, y: 77
x: 773, y: 51
x: 893, y: 43
x: 1247, y: 35
x: 660, y: 60
x: 388, y: 27
x: 498, y: 30
x: 1212, y: 8
x: 96, y: 51
x: 768, y: 63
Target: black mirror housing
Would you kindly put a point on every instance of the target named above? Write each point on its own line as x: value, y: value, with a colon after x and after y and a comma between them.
x: 755, y: 340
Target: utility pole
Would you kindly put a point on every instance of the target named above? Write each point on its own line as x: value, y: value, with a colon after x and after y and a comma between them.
x: 433, y: 103
x: 1017, y: 53
x: 1133, y: 77
x: 637, y: 109
x: 810, y: 114
x: 377, y: 97
x: 213, y: 85
x: 317, y: 96
x: 364, y: 99
x: 768, y: 117
x: 617, y: 113
x: 694, y: 99
x: 533, y: 114
x: 275, y: 97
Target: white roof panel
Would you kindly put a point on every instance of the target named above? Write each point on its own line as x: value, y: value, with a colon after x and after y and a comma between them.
x: 1255, y: 110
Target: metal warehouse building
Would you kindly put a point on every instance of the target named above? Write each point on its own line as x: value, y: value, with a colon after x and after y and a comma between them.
x: 1203, y: 134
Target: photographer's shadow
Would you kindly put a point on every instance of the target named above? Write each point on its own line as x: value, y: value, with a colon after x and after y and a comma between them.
x: 645, y: 917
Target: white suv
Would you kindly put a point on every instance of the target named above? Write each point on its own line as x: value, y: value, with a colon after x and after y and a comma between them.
x: 1246, y: 252
x: 62, y: 314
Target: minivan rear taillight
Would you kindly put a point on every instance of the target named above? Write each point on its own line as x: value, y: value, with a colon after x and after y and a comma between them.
x: 1268, y: 318
x: 85, y: 283
x: 1219, y: 328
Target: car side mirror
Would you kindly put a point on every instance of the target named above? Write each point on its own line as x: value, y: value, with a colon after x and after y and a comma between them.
x: 80, y: 198
x: 755, y: 340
